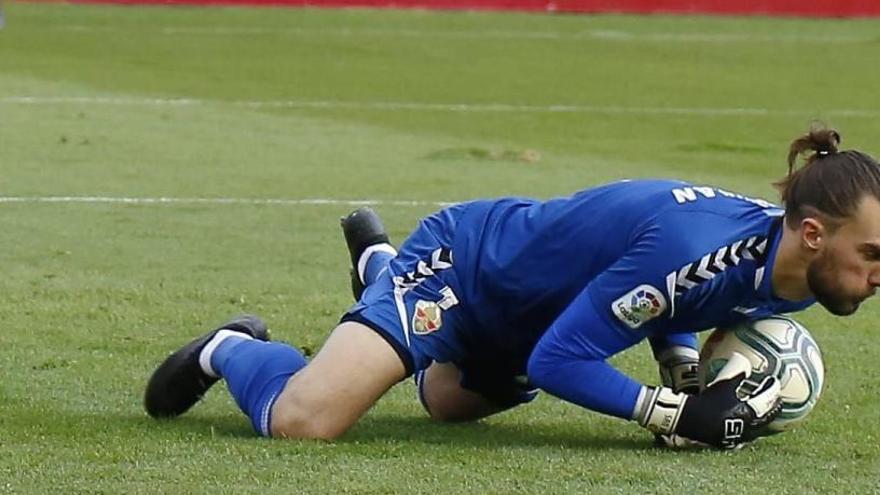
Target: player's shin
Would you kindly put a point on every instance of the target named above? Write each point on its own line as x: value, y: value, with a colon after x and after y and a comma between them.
x: 256, y: 372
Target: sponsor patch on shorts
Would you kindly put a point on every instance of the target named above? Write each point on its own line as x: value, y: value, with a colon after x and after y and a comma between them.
x: 639, y: 305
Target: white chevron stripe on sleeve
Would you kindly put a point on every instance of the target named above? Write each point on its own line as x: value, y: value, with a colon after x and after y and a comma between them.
x: 682, y: 277
x: 733, y: 252
x: 719, y: 258
x: 702, y: 268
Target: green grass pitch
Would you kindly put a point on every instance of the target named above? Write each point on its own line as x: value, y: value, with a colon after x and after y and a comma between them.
x: 255, y: 104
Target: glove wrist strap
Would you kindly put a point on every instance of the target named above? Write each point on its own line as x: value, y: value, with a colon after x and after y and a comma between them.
x: 659, y: 409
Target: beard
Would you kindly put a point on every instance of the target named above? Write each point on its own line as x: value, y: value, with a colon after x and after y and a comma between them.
x: 822, y: 281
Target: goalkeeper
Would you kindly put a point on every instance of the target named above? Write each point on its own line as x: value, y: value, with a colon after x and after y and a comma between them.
x: 489, y: 301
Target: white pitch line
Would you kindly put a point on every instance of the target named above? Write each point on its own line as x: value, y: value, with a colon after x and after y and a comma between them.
x: 429, y: 107
x: 614, y: 35
x: 102, y: 100
x: 217, y: 201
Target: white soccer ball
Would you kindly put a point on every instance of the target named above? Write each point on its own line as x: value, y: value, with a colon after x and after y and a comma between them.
x: 778, y: 346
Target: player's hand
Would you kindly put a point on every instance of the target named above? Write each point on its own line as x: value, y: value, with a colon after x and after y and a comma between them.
x: 677, y: 442
x: 679, y: 369
x: 718, y: 416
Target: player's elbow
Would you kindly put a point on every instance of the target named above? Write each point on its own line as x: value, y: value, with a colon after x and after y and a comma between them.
x: 539, y: 369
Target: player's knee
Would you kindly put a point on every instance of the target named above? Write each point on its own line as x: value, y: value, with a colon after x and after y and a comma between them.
x: 461, y: 406
x: 289, y: 421
x: 437, y: 412
x: 450, y: 415
x: 434, y: 404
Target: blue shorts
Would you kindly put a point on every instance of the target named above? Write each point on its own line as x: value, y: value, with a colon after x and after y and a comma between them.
x: 414, y: 306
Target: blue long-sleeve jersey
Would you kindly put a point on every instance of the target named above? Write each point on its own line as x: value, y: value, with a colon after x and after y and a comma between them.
x: 553, y: 288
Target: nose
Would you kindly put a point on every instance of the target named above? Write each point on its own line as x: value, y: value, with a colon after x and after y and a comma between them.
x: 874, y: 279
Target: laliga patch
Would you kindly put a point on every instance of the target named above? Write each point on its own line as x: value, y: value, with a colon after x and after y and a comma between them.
x: 428, y: 317
x: 639, y: 305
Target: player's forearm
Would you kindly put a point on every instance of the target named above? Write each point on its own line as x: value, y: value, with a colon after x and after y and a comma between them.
x: 569, y: 360
x: 593, y: 384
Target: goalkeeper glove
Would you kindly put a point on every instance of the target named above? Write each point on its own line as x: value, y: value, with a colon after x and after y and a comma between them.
x: 679, y: 368
x: 718, y: 416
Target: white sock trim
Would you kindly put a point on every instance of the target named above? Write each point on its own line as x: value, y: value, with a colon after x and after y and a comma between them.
x: 208, y: 350
x: 365, y: 257
x: 266, y: 415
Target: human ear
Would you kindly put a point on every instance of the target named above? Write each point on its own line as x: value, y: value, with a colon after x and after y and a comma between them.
x: 812, y: 233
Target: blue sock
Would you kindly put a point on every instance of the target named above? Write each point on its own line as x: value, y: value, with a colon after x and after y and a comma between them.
x: 375, y: 263
x: 256, y: 372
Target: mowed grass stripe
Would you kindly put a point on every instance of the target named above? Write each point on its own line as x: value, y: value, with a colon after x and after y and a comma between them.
x: 431, y: 107
x: 218, y: 201
x: 585, y: 35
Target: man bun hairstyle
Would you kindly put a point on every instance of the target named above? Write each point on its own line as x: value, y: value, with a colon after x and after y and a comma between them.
x: 830, y: 183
